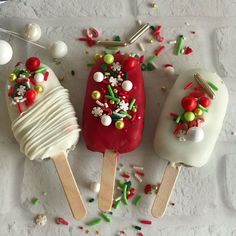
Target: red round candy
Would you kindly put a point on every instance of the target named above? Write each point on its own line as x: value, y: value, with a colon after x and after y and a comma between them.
x: 130, y: 63
x: 189, y: 103
x: 31, y: 95
x: 204, y: 101
x: 33, y: 63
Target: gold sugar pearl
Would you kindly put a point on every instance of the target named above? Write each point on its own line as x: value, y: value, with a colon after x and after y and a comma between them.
x: 150, y: 40
x: 163, y: 88
x: 39, y: 88
x: 154, y: 5
x: 115, y: 90
x: 120, y: 124
x: 134, y: 109
x: 96, y: 95
x: 12, y: 77
x: 112, y: 102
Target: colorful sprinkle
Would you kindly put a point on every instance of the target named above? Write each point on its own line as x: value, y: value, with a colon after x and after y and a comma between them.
x: 61, y: 221
x: 213, y: 86
x: 94, y: 222
x: 106, y: 217
x: 137, y: 200
x: 189, y: 85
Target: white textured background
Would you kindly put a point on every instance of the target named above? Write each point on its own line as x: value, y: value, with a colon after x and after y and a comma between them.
x: 205, y: 198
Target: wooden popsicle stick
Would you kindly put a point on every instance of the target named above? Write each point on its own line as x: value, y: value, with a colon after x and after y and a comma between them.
x: 107, y: 180
x: 69, y: 185
x: 165, y: 189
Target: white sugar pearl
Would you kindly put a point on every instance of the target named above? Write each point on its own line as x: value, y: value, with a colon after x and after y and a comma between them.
x: 98, y: 76
x: 5, y: 52
x: 127, y: 85
x: 106, y: 120
x: 39, y: 77
x: 58, y: 49
x: 170, y: 69
x: 32, y: 32
x: 195, y: 134
x: 95, y: 187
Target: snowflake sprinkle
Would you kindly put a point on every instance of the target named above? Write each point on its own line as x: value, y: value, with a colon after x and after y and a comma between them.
x: 113, y: 81
x: 116, y: 66
x: 124, y: 105
x: 97, y: 111
x: 21, y: 90
x: 181, y: 135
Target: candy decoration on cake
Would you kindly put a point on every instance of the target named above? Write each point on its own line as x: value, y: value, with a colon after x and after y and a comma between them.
x: 113, y: 115
x: 188, y: 127
x: 44, y: 123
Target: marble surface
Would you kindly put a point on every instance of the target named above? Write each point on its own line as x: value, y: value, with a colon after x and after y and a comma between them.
x: 204, y: 197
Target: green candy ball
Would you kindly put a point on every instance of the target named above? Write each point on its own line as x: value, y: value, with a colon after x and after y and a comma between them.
x: 189, y: 116
x: 109, y: 59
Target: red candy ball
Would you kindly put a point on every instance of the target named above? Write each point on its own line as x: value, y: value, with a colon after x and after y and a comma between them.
x: 33, y: 63
x: 130, y: 63
x: 204, y: 101
x: 31, y: 95
x: 189, y: 103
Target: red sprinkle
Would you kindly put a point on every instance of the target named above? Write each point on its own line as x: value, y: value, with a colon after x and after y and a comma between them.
x: 148, y: 189
x: 89, y: 41
x: 173, y: 114
x: 146, y: 222
x: 20, y: 107
x: 46, y: 76
x: 61, y: 221
x: 177, y: 128
x: 141, y: 59
x: 11, y: 92
x: 189, y: 85
x: 126, y: 176
x: 159, y: 50
x: 188, y: 50
x: 140, y: 234
x: 198, y: 88
x: 139, y: 173
x: 168, y: 65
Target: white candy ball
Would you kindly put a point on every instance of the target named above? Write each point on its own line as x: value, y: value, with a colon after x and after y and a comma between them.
x: 32, y: 32
x: 5, y: 52
x: 195, y: 134
x: 98, y: 76
x: 106, y: 120
x: 39, y: 77
x: 58, y: 49
x: 95, y: 187
x: 127, y: 85
x: 170, y: 69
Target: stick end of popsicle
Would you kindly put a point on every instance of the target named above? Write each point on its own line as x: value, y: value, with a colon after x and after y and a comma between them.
x: 80, y: 214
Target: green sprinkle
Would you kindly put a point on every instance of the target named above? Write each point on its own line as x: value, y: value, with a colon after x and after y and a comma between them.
x: 104, y: 67
x: 213, y: 86
x: 151, y: 59
x: 117, y: 100
x: 94, y: 222
x: 110, y: 90
x: 124, y: 195
x: 90, y: 64
x: 117, y: 204
x: 150, y: 67
x: 152, y: 27
x: 41, y: 69
x: 125, y: 113
x: 91, y: 200
x: 128, y: 185
x: 112, y: 48
x: 107, y: 73
x: 35, y: 201
x: 115, y: 117
x: 137, y: 200
x: 132, y: 103
x: 120, y: 184
x: 144, y: 67
x: 178, y: 119
x: 16, y: 71
x: 203, y: 108
x: 137, y: 227
x: 126, y: 75
x: 179, y: 45
x: 106, y: 217
x: 114, y: 73
x: 117, y: 38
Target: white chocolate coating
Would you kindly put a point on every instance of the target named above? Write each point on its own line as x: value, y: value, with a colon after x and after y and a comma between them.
x: 167, y: 146
x: 49, y: 126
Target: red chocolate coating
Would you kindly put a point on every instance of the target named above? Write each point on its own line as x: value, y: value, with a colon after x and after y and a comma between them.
x: 98, y: 137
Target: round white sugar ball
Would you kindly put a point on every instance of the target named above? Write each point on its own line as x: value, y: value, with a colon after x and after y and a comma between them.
x: 98, y: 76
x: 95, y: 187
x: 58, y: 49
x: 32, y: 32
x: 195, y: 134
x: 170, y: 69
x: 5, y: 52
x: 127, y: 85
x: 106, y: 120
x: 39, y: 77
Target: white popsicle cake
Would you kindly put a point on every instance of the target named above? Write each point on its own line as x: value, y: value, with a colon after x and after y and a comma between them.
x: 44, y: 122
x: 188, y: 127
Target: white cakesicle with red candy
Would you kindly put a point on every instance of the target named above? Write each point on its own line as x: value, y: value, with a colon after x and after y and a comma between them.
x: 44, y: 122
x: 188, y: 127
